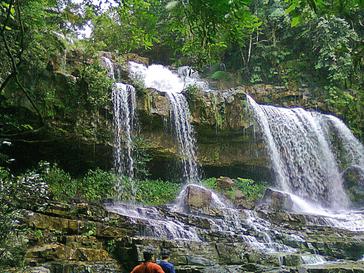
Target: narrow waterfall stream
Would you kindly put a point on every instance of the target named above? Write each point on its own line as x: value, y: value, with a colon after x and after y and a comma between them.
x: 163, y: 79
x: 124, y: 104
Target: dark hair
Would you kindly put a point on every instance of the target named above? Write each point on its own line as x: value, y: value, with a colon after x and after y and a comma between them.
x: 148, y: 254
x: 165, y: 253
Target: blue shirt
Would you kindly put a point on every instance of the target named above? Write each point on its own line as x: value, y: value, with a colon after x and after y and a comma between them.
x: 167, y: 267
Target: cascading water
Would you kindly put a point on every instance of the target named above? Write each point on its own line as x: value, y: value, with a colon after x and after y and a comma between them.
x: 163, y: 79
x: 247, y: 225
x: 124, y: 103
x: 352, y: 150
x: 123, y: 97
x: 300, y: 153
x: 154, y: 224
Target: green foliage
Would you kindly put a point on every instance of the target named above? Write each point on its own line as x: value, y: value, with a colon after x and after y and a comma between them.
x: 156, y: 192
x: 26, y: 191
x: 220, y: 75
x: 98, y: 85
x: 61, y: 185
x: 332, y: 44
x: 95, y: 185
x: 209, y: 183
x: 192, y: 90
x: 349, y: 105
x: 251, y: 189
x: 130, y: 26
x: 89, y: 229
x: 38, y: 234
x: 209, y: 27
x: 111, y: 246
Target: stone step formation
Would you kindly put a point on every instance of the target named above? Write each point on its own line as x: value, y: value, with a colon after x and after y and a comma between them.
x: 112, y: 238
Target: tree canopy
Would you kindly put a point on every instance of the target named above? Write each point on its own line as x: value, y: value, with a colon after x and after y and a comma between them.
x: 291, y: 42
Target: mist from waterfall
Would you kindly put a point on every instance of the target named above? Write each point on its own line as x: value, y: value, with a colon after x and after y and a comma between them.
x: 164, y: 80
x: 301, y: 153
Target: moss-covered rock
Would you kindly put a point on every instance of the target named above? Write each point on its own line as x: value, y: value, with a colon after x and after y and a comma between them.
x: 354, y: 184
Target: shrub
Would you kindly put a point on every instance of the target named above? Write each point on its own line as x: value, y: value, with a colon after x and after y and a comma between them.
x: 61, y: 185
x: 15, y: 193
x: 209, y: 183
x: 98, y: 184
x: 95, y: 185
x: 157, y: 192
x: 251, y: 189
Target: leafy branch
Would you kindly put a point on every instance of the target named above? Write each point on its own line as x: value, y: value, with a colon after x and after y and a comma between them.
x: 17, y: 60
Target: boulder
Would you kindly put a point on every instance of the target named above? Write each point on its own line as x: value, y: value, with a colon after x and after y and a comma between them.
x: 224, y: 183
x: 276, y: 201
x: 199, y: 200
x: 198, y: 197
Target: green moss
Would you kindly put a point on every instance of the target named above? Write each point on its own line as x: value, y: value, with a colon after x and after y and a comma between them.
x: 219, y: 113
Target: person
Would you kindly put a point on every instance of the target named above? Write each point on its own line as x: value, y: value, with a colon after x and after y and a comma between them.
x: 164, y: 263
x: 148, y: 266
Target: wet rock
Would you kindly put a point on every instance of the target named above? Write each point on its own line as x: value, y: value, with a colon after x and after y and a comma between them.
x: 340, y: 267
x: 198, y: 197
x: 354, y: 184
x: 224, y: 183
x: 135, y: 58
x: 292, y: 260
x: 82, y: 267
x: 241, y: 201
x: 90, y: 248
x: 276, y: 201
x: 200, y: 200
x: 39, y: 269
x: 196, y: 260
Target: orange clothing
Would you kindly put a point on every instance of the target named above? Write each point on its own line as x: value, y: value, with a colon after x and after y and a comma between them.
x: 147, y: 267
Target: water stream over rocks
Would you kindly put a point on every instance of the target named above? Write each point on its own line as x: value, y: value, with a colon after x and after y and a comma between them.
x: 124, y: 105
x: 164, y: 80
x: 309, y: 152
x: 307, y: 158
x: 200, y: 222
x: 301, y: 156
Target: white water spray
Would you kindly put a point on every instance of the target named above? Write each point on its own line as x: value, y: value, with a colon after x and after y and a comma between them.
x: 163, y: 79
x: 124, y: 104
x: 300, y: 154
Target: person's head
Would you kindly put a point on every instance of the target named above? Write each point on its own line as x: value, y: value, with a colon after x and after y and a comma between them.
x: 148, y: 255
x: 165, y: 254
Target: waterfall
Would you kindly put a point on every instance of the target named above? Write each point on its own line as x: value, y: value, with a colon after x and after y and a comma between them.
x: 123, y: 98
x: 163, y: 79
x: 351, y: 149
x: 301, y: 154
x: 124, y: 104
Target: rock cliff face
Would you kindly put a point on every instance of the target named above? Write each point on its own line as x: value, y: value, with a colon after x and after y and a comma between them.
x: 226, y: 140
x: 226, y: 143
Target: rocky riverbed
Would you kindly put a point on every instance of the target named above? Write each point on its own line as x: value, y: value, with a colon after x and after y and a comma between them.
x: 203, y: 233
